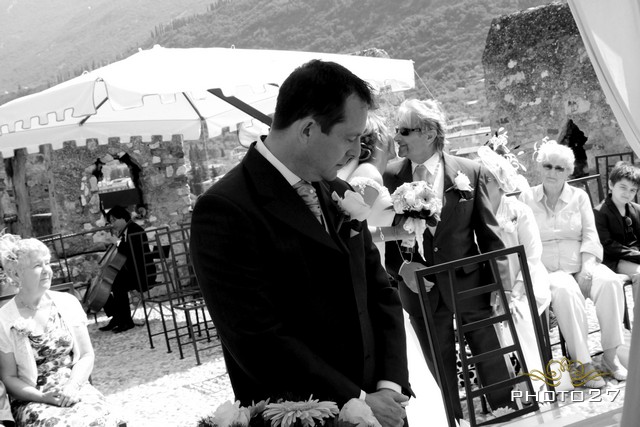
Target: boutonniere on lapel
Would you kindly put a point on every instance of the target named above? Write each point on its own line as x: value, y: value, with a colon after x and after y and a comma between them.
x: 353, y: 209
x: 508, y: 224
x: 462, y: 185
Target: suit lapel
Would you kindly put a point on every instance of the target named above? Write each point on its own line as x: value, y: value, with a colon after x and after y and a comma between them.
x: 450, y: 198
x: 332, y: 214
x: 281, y: 201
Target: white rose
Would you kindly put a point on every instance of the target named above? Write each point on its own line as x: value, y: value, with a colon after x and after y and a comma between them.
x: 462, y: 182
x: 231, y: 413
x: 353, y: 205
x: 357, y: 412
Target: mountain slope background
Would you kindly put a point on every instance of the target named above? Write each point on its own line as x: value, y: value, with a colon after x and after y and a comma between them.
x: 48, y: 40
x: 444, y: 38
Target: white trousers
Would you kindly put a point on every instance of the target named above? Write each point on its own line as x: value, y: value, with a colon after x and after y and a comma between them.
x: 630, y: 269
x: 568, y: 300
x: 521, y: 314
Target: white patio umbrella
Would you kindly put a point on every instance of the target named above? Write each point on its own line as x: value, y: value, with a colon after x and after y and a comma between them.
x: 164, y: 91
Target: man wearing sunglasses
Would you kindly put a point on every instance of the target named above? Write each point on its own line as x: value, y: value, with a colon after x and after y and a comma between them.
x: 467, y: 227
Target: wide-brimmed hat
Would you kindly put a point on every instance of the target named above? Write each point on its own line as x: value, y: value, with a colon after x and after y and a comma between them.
x: 505, y: 172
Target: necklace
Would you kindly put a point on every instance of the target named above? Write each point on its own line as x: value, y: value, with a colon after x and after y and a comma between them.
x: 29, y: 306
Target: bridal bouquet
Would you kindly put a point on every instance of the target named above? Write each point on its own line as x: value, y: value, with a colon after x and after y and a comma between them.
x: 285, y: 413
x: 420, y: 205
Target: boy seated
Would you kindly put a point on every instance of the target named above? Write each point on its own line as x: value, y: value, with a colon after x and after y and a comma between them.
x: 618, y: 223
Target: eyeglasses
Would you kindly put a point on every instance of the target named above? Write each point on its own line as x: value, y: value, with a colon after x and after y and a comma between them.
x: 549, y: 166
x: 407, y: 131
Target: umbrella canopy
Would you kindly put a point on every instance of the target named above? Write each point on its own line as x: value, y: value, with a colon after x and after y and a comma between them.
x: 164, y: 91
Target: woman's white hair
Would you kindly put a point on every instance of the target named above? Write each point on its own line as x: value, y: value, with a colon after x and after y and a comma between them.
x: 15, y: 250
x: 550, y: 148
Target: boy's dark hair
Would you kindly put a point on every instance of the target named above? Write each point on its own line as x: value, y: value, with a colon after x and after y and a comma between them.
x: 624, y: 170
x: 118, y: 212
x: 318, y: 89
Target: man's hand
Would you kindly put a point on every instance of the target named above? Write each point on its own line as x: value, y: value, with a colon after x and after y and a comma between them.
x: 387, y: 406
x: 407, y: 272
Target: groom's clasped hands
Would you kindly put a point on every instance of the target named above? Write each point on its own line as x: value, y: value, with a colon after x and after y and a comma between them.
x: 388, y: 407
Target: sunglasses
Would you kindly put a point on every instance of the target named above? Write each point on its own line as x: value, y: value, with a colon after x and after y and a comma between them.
x: 407, y: 131
x: 548, y: 166
x: 629, y: 226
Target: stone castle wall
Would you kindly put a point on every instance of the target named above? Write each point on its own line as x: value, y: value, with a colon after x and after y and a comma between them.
x: 538, y: 75
x: 74, y: 205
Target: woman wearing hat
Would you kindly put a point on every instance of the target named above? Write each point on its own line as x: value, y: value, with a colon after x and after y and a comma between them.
x: 518, y: 227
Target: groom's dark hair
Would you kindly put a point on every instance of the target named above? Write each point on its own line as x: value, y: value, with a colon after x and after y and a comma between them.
x: 318, y: 89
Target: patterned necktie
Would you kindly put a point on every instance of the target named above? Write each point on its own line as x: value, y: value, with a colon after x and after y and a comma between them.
x: 308, y: 194
x: 422, y: 174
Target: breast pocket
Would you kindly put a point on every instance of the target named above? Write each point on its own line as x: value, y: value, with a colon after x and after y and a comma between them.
x: 571, y: 220
x: 464, y: 206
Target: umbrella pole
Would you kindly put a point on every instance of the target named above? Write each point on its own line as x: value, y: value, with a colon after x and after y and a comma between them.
x: 242, y: 106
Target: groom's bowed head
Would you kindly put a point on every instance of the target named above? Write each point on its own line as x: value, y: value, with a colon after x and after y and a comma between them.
x: 321, y: 112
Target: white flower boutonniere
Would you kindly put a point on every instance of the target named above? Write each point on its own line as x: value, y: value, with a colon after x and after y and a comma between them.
x: 461, y: 182
x: 24, y: 326
x: 509, y: 225
x: 352, y: 205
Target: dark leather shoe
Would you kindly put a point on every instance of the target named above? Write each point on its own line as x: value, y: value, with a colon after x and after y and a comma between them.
x: 109, y: 326
x: 122, y: 328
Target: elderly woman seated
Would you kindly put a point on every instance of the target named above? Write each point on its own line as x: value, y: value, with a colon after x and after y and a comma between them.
x: 572, y: 254
x: 46, y: 355
x: 618, y: 223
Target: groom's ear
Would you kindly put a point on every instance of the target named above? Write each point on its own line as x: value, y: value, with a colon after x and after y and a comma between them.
x: 305, y: 128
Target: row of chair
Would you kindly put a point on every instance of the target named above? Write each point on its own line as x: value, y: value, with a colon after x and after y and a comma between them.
x: 173, y: 290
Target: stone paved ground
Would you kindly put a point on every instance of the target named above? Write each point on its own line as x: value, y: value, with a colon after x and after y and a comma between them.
x: 150, y: 387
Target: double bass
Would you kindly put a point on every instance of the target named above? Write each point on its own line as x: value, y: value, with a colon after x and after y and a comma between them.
x: 109, y: 266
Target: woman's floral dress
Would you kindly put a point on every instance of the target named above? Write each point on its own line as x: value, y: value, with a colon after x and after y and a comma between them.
x: 53, y: 352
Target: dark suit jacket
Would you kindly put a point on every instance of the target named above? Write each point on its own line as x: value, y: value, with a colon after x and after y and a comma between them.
x: 136, y: 250
x: 617, y: 240
x: 298, y: 310
x: 465, y: 220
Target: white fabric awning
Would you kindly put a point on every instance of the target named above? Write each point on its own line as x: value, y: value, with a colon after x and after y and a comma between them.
x: 610, y: 31
x: 157, y: 92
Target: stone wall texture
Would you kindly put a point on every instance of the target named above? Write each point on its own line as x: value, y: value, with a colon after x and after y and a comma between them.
x: 75, y: 204
x: 538, y: 75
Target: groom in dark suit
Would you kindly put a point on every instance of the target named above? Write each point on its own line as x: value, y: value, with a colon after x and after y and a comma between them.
x: 296, y: 290
x: 467, y: 227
